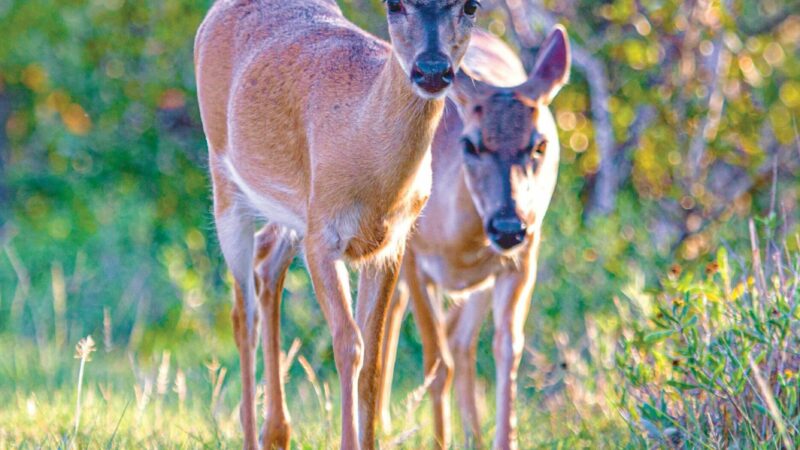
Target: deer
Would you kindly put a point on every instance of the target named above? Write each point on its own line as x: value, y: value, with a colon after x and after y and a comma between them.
x: 495, y: 162
x: 320, y: 133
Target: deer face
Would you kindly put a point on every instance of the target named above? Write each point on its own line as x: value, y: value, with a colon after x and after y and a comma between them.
x: 511, y: 146
x: 430, y: 38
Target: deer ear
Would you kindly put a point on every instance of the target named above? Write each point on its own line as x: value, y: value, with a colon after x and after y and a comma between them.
x: 551, y: 71
x: 467, y: 89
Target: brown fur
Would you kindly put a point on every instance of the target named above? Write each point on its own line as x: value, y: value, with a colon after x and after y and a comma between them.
x: 313, y: 125
x: 450, y: 249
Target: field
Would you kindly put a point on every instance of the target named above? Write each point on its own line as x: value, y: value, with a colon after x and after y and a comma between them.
x: 667, y: 308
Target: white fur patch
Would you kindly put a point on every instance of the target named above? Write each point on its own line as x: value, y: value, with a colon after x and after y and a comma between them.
x: 271, y: 209
x: 396, y: 241
x: 343, y: 228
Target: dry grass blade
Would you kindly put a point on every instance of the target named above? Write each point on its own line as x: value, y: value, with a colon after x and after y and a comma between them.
x: 757, y: 267
x: 58, y: 286
x: 288, y: 358
x: 322, y: 392
x: 772, y: 405
x: 180, y: 388
x: 107, y: 339
x: 312, y: 378
x: 162, y: 381
x: 83, y: 351
x: 23, y: 283
x: 142, y: 394
x: 220, y: 378
x: 401, y: 438
x: 412, y: 402
x: 414, y: 398
x: 326, y: 390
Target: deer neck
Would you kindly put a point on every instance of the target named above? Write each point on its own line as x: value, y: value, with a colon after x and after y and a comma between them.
x: 399, y: 123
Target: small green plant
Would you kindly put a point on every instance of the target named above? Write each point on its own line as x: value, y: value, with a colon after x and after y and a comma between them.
x: 712, y: 361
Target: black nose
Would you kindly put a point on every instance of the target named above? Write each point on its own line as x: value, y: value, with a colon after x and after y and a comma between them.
x: 506, y: 230
x: 432, y: 72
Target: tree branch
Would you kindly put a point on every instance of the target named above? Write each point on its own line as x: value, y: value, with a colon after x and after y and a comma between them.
x: 615, y: 169
x: 717, y: 67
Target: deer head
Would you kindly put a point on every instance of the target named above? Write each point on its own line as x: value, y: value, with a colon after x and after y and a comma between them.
x: 511, y: 146
x: 430, y: 38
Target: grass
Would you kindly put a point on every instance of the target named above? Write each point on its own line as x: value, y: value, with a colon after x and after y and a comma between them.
x: 708, y: 358
x: 132, y: 403
x: 168, y: 401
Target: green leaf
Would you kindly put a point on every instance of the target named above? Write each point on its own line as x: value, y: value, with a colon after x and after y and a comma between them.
x: 722, y: 262
x: 657, y: 336
x: 681, y: 385
x: 759, y: 407
x: 753, y: 336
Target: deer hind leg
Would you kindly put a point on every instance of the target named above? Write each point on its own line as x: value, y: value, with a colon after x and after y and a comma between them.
x: 394, y: 321
x: 464, y: 323
x: 437, y: 359
x: 275, y: 249
x: 235, y: 230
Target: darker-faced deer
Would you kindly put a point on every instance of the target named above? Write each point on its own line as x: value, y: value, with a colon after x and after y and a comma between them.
x: 494, y: 170
x: 323, y: 131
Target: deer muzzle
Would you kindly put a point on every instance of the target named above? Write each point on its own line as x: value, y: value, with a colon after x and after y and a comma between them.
x: 432, y: 72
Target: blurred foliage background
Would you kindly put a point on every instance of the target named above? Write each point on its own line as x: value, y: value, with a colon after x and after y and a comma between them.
x: 679, y: 123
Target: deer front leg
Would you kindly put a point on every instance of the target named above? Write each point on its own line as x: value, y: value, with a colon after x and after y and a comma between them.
x: 512, y: 295
x: 427, y: 310
x: 332, y: 287
x: 376, y: 284
x: 394, y: 321
x: 463, y: 324
x: 275, y: 249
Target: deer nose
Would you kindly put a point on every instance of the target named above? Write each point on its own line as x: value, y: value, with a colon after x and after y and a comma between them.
x: 506, y: 230
x: 433, y: 72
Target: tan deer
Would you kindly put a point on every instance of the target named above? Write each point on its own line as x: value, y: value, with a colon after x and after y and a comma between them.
x: 324, y: 132
x: 495, y: 164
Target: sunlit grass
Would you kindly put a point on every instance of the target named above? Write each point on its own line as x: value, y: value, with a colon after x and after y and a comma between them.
x: 143, y: 403
x: 175, y: 384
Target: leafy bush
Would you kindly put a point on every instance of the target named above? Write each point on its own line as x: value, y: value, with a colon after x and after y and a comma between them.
x: 713, y: 361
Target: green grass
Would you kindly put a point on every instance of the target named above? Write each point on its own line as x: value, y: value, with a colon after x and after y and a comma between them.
x: 134, y: 399
x: 130, y: 402
x: 707, y: 359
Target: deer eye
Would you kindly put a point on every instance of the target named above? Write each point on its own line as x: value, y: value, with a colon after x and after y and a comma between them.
x: 394, y: 6
x: 540, y: 149
x: 471, y: 7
